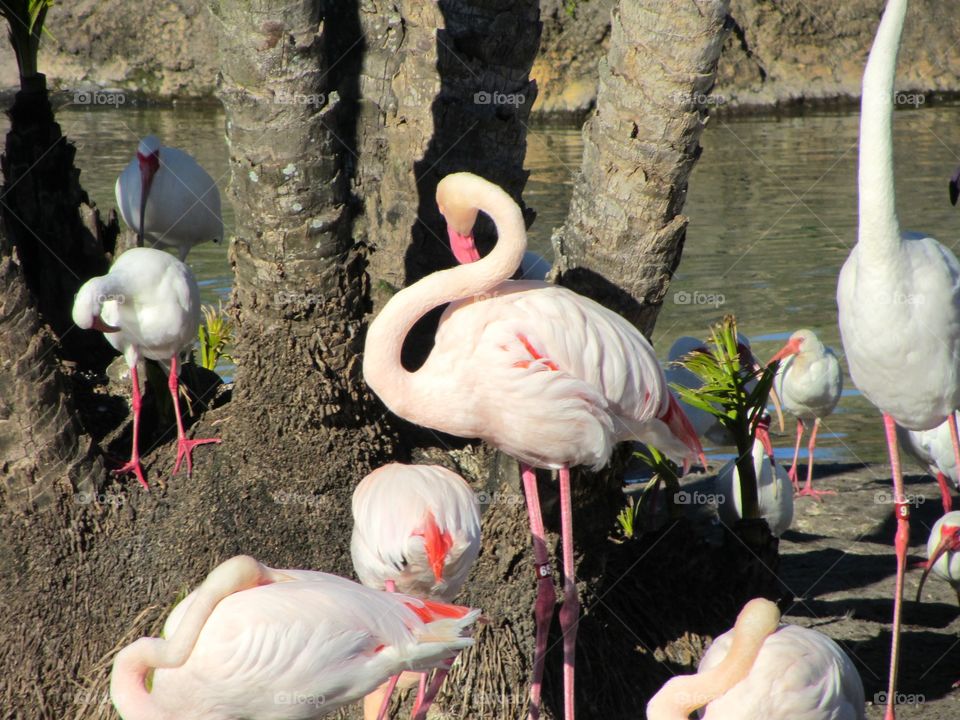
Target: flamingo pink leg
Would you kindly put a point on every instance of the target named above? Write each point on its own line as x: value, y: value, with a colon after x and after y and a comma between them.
x: 570, y: 610
x: 134, y: 465
x: 421, y: 691
x: 420, y: 710
x: 945, y: 493
x: 546, y: 594
x: 184, y: 446
x: 808, y: 486
x: 388, y: 693
x: 902, y: 512
x: 792, y: 472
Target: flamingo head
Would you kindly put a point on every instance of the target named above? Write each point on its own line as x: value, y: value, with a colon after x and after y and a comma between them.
x: 949, y: 542
x: 461, y: 215
x: 436, y: 543
x: 148, y: 157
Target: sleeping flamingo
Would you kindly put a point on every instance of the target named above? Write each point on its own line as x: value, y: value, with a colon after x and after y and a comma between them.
x: 933, y: 449
x: 147, y: 306
x: 544, y: 374
x: 179, y: 199
x: 263, y: 644
x: 898, y: 299
x: 809, y: 383
x: 764, y: 670
x: 416, y: 530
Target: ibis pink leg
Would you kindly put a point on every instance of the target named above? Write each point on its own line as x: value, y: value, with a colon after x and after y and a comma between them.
x: 792, y: 472
x: 945, y: 493
x: 546, y: 594
x: 902, y: 512
x: 184, y: 446
x: 952, y: 421
x: 134, y: 465
x: 570, y: 610
x: 808, y: 487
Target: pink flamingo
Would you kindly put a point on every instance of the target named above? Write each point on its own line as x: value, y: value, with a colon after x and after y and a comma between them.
x: 762, y: 670
x: 898, y: 298
x: 546, y: 375
x: 416, y: 530
x: 264, y: 644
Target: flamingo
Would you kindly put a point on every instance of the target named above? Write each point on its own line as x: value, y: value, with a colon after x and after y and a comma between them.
x: 545, y: 375
x: 179, y: 199
x: 933, y: 449
x: 765, y: 670
x: 899, y: 301
x: 263, y: 644
x: 774, y: 494
x: 809, y: 383
x: 943, y: 552
x: 416, y: 530
x: 147, y: 306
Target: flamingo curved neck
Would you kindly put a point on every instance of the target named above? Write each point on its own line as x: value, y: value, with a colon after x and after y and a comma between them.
x: 683, y: 694
x: 879, y: 229
x: 402, y: 391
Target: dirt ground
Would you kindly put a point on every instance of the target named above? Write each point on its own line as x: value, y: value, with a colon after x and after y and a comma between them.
x: 838, y: 561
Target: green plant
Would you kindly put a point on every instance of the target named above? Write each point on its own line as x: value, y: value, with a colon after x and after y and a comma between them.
x: 727, y: 395
x: 627, y: 516
x: 664, y: 471
x: 25, y: 18
x: 216, y: 332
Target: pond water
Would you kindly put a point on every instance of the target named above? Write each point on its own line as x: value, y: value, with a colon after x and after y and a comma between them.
x: 772, y: 207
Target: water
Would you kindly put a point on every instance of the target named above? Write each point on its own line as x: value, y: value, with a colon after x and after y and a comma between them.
x: 772, y: 208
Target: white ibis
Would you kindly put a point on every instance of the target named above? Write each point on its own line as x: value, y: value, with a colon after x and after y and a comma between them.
x: 180, y: 200
x: 544, y: 374
x: 416, y: 530
x: 943, y: 552
x: 809, y: 383
x: 898, y: 299
x: 264, y: 644
x: 765, y: 670
x: 147, y: 306
x: 933, y: 449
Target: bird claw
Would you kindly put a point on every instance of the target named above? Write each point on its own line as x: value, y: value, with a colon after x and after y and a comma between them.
x: 185, y: 450
x: 815, y: 494
x: 133, y: 467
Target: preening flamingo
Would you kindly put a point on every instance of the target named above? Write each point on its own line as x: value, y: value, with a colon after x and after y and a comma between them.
x: 943, y: 552
x: 544, y: 374
x: 416, y: 530
x: 147, y: 306
x: 933, y: 449
x: 179, y: 199
x: 764, y: 670
x: 774, y: 494
x: 262, y: 644
x: 809, y: 383
x: 898, y: 299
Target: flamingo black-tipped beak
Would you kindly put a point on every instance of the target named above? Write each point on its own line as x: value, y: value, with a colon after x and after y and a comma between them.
x: 678, y: 422
x: 763, y: 435
x: 99, y: 324
x: 774, y: 398
x: 463, y: 246
x: 149, y: 164
x: 955, y: 186
x: 949, y: 542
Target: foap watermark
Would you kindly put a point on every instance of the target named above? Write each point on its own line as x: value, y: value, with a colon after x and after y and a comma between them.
x: 902, y: 298
x: 88, y: 498
x: 101, y: 98
x: 285, y: 497
x: 299, y: 698
x: 913, y: 99
x: 498, y: 98
x: 111, y: 297
x: 285, y: 97
x: 685, y: 297
x: 498, y: 498
x: 885, y: 497
x: 899, y: 698
x: 284, y: 297
x: 698, y: 99
x: 685, y: 497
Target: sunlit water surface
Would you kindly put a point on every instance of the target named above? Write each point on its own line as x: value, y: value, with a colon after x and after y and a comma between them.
x: 772, y: 207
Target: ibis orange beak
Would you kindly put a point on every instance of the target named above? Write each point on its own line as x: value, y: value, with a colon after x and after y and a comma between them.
x: 949, y: 542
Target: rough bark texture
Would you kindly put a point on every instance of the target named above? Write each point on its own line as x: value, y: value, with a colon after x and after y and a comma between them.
x: 624, y: 224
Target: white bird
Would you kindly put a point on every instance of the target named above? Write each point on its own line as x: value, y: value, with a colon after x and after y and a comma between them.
x: 180, y: 200
x: 147, y: 306
x: 898, y: 299
x: 809, y: 383
x: 544, y: 374
x: 262, y: 644
x: 943, y: 552
x: 416, y: 530
x: 933, y: 449
x: 765, y: 670
x: 774, y: 494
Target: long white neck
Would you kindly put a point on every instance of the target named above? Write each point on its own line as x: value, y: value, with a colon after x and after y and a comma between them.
x: 128, y: 679
x: 879, y: 230
x: 406, y: 393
